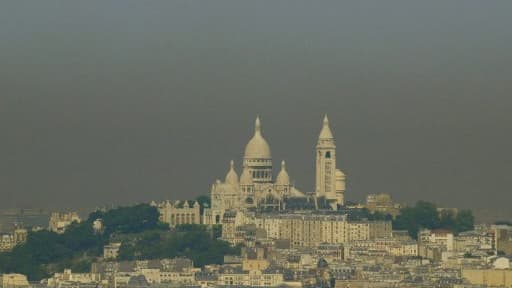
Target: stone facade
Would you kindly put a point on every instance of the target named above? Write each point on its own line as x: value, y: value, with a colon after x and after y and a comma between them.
x: 13, y: 281
x: 179, y: 212
x: 256, y: 190
x: 110, y: 251
x: 382, y: 203
x: 310, y: 230
x: 60, y: 221
x: 488, y: 277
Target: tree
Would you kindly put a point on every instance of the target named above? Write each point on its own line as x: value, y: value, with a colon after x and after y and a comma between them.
x: 46, y: 252
x: 193, y: 242
x: 132, y: 219
x: 464, y: 221
x: 204, y: 202
x: 425, y: 215
x: 406, y: 220
x: 126, y: 251
x: 447, y: 219
x: 216, y: 231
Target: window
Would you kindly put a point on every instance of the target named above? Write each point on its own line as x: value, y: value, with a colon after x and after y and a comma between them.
x: 328, y: 154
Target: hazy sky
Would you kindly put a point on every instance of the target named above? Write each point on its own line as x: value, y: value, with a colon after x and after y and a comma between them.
x: 123, y: 101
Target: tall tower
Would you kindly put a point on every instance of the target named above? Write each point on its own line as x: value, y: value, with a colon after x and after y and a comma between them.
x: 326, y: 163
x: 257, y: 156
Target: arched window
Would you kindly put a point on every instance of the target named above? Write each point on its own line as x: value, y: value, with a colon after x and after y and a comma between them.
x: 328, y: 154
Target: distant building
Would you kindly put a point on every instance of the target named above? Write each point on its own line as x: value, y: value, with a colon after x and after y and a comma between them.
x: 110, y: 251
x: 177, y: 271
x: 310, y: 230
x: 305, y: 230
x: 70, y: 279
x: 368, y: 230
x: 97, y: 225
x: 474, y: 241
x: 256, y: 189
x: 235, y: 277
x: 331, y: 252
x: 443, y: 237
x: 435, y: 244
x: 382, y: 203
x: 20, y: 235
x: 10, y: 240
x: 402, y: 235
x: 382, y: 247
x: 6, y: 242
x: 179, y: 212
x: 255, y: 259
x: 503, y: 238
x: 488, y: 277
x: 60, y: 221
x: 13, y: 281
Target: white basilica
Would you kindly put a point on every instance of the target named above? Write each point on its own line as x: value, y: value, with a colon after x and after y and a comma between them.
x: 256, y: 190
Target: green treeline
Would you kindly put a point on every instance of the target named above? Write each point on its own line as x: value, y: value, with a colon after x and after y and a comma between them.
x: 196, y: 242
x: 425, y: 215
x: 143, y: 236
x: 45, y: 252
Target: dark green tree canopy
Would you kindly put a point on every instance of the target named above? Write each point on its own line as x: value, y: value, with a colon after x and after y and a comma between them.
x: 143, y: 237
x: 425, y: 215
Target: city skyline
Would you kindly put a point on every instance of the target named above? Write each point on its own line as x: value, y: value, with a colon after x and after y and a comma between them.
x: 209, y: 144
x: 134, y: 106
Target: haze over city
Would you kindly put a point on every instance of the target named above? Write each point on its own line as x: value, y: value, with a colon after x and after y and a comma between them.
x: 104, y: 104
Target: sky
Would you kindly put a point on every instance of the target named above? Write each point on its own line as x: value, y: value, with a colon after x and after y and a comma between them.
x: 117, y: 102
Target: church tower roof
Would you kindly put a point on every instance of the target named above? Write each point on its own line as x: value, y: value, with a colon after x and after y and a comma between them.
x: 232, y: 177
x: 325, y: 133
x: 282, y: 177
x: 257, y: 148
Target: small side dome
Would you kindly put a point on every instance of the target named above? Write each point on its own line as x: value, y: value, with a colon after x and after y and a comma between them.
x: 339, y: 174
x: 232, y: 177
x: 282, y: 177
x: 246, y: 177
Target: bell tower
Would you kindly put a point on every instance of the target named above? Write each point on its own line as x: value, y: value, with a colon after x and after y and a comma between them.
x: 326, y: 163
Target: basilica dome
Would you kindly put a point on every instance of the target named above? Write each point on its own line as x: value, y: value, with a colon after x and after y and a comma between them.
x: 257, y: 148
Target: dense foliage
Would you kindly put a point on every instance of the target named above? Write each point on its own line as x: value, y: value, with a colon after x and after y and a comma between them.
x: 425, y: 215
x: 204, y: 202
x: 143, y: 237
x: 196, y: 242
x: 133, y: 219
x: 45, y: 252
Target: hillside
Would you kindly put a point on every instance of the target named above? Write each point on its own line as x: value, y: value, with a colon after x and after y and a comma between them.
x: 138, y: 227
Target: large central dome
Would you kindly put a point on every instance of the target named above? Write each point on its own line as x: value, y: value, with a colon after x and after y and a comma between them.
x: 257, y: 148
